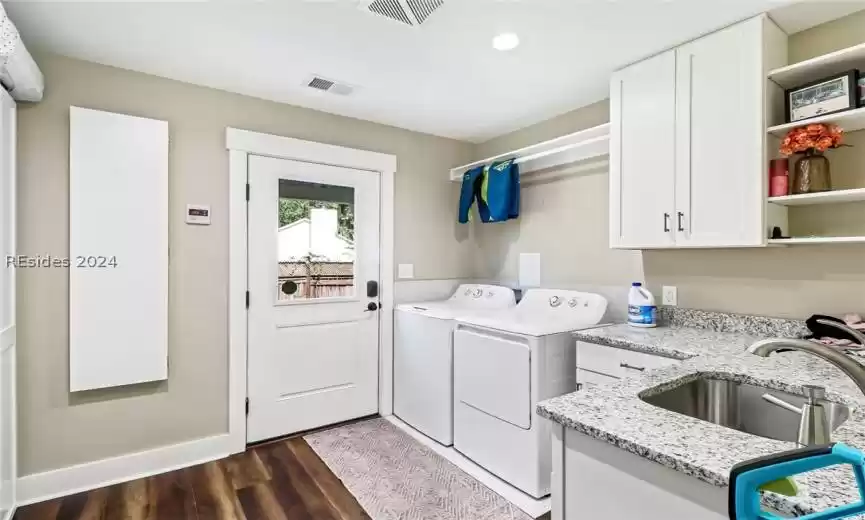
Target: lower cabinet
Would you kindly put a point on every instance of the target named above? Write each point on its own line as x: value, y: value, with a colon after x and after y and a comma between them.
x: 599, y: 364
x: 594, y: 479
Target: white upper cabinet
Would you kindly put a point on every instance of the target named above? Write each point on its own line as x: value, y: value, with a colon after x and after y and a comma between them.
x: 715, y: 190
x: 719, y: 138
x: 642, y: 145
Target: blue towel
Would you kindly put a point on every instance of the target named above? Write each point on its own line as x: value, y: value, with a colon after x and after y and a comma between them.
x: 469, y: 191
x: 499, y: 197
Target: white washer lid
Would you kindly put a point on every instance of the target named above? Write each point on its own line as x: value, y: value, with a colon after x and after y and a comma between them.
x: 467, y: 299
x: 543, y: 312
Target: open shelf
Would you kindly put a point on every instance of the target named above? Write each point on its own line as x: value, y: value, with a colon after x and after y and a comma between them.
x: 824, y: 197
x: 849, y: 121
x: 816, y: 240
x: 567, y: 149
x: 820, y: 67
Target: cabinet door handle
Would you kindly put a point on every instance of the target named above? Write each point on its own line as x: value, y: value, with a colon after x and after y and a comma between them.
x: 681, y: 216
x: 579, y: 386
x: 666, y: 222
x: 632, y: 367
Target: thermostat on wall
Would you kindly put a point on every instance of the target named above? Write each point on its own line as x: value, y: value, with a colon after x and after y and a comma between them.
x: 196, y: 214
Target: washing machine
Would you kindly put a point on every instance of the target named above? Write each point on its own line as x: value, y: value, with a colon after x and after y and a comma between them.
x: 504, y: 364
x: 423, y: 356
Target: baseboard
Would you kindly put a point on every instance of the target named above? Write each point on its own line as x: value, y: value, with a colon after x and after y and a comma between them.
x: 84, y: 477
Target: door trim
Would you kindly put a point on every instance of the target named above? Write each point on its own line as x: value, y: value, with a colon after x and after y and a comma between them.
x: 241, y: 144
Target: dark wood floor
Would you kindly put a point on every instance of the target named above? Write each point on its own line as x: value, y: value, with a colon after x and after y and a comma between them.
x: 283, y: 480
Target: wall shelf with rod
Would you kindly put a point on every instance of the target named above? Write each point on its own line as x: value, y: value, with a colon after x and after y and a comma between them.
x: 565, y: 150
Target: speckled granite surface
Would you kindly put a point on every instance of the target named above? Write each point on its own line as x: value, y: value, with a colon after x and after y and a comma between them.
x: 615, y: 413
x: 725, y: 322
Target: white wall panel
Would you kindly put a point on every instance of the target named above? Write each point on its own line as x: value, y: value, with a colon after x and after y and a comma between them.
x: 118, y: 249
x: 8, y: 415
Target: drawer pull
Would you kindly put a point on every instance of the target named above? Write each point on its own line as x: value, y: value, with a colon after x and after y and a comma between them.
x: 632, y: 367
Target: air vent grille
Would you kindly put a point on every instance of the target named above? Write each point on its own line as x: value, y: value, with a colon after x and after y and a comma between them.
x: 320, y: 83
x: 406, y: 12
x: 328, y: 85
x: 421, y: 9
x: 390, y: 9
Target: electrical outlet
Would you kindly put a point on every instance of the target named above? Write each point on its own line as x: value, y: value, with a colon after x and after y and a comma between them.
x: 670, y: 296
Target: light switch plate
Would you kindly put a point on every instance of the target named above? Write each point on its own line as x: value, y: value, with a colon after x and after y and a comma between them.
x: 405, y: 271
x: 670, y: 295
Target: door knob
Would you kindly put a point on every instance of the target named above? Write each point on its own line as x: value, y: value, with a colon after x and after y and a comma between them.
x: 371, y: 307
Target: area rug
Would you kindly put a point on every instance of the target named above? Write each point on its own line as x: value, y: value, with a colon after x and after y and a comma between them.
x: 394, y: 477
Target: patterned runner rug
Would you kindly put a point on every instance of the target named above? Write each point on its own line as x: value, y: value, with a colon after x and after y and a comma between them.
x: 394, y: 477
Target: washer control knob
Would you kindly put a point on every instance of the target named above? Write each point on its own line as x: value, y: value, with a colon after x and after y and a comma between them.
x: 555, y: 301
x: 573, y: 302
x: 477, y: 293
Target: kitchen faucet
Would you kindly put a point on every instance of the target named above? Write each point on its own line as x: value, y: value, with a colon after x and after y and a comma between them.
x: 833, y: 355
x: 814, y: 426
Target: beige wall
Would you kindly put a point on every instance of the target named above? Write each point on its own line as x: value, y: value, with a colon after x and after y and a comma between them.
x: 59, y: 429
x: 566, y: 221
x: 564, y: 218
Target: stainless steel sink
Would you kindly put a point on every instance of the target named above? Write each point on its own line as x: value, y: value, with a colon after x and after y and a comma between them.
x: 741, y: 407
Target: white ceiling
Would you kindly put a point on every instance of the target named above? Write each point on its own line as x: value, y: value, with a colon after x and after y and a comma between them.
x: 442, y: 78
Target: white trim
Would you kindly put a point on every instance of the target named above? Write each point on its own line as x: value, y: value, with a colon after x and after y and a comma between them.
x: 242, y: 143
x: 308, y: 151
x: 84, y: 477
x: 385, y: 358
x: 237, y: 284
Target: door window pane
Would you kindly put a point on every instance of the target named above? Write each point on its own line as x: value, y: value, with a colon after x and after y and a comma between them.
x: 316, y: 249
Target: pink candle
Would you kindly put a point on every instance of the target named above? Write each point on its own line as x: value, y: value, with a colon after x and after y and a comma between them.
x: 779, y: 181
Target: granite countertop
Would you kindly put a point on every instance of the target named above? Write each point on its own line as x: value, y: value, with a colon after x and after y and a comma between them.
x: 615, y: 413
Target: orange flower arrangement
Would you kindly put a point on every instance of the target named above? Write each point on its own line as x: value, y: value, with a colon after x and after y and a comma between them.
x: 816, y: 137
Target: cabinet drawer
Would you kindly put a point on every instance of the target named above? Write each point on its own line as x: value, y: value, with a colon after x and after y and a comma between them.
x: 617, y: 362
x: 587, y: 378
x: 599, y: 358
x: 641, y: 360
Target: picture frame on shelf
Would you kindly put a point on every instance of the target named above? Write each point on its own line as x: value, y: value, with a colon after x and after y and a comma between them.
x: 861, y: 90
x: 835, y: 93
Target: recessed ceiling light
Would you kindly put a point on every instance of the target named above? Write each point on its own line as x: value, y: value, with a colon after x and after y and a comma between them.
x: 505, y: 41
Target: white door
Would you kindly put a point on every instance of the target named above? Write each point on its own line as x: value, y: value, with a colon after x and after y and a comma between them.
x: 313, y: 324
x: 720, y: 135
x: 642, y: 153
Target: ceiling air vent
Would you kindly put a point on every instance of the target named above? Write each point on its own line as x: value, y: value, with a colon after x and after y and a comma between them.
x: 329, y: 85
x: 408, y: 12
x: 320, y: 83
